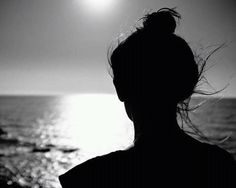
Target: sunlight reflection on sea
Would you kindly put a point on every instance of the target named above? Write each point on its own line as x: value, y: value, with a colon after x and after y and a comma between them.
x: 43, y: 137
x: 96, y: 123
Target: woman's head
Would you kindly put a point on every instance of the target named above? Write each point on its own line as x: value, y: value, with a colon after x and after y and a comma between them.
x: 154, y: 71
x: 153, y: 63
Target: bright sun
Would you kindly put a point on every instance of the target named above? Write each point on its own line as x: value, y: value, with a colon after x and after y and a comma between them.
x: 98, y: 6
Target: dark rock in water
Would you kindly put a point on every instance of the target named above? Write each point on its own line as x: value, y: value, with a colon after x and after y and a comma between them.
x: 69, y: 150
x: 2, y: 132
x: 8, y: 184
x: 6, y: 176
x: 4, y: 140
x: 43, y: 150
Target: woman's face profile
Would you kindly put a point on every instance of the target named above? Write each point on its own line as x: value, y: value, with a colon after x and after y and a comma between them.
x: 129, y: 110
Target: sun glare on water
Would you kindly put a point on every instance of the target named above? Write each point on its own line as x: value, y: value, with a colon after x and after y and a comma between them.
x: 97, y: 122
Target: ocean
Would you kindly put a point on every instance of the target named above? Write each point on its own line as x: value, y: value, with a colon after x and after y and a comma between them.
x: 42, y: 137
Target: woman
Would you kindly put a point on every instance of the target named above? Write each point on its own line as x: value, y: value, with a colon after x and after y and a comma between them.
x: 154, y: 73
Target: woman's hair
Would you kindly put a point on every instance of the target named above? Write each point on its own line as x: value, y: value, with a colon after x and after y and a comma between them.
x: 154, y: 62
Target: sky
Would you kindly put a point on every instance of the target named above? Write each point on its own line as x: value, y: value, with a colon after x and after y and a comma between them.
x: 60, y: 46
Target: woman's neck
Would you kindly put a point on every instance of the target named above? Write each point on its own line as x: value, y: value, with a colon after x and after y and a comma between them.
x: 159, y: 127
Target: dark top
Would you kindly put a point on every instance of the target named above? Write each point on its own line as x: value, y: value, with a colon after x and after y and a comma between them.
x: 183, y: 162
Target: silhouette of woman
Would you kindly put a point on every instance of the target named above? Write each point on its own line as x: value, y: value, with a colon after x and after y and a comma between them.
x: 154, y: 72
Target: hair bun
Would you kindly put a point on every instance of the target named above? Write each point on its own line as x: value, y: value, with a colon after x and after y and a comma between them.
x: 162, y: 21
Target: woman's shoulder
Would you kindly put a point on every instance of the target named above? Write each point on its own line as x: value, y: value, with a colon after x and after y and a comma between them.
x: 206, y: 151
x: 220, y: 156
x: 95, y: 170
x: 216, y: 153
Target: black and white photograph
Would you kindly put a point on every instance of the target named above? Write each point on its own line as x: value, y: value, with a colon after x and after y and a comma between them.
x: 117, y: 93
